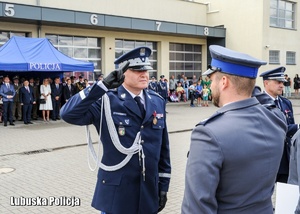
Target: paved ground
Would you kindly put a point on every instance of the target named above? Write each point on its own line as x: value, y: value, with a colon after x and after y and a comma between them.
x: 50, y: 161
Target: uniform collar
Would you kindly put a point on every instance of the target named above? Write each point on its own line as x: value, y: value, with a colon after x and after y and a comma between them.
x: 271, y: 96
x: 141, y: 94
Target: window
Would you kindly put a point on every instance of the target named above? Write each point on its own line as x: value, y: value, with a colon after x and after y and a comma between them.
x: 82, y: 48
x: 282, y: 14
x: 124, y: 46
x: 5, y: 36
x: 290, y: 58
x: 274, y: 57
x: 185, y: 59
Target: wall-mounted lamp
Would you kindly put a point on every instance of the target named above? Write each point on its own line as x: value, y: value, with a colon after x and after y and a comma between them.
x: 267, y: 46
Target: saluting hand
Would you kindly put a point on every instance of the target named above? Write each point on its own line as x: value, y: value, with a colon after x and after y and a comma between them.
x: 115, y: 78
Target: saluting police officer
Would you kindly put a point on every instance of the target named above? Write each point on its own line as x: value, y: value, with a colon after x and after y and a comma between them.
x: 273, y: 84
x: 235, y: 154
x: 135, y: 169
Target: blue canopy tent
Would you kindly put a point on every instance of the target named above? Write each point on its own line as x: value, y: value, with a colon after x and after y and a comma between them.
x: 37, y: 57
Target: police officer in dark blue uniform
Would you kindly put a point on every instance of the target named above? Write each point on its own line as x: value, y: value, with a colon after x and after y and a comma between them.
x: 273, y: 83
x: 153, y: 84
x: 162, y: 88
x: 134, y: 172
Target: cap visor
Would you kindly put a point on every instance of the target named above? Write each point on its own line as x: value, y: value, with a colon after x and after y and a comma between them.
x: 208, y: 72
x: 141, y: 68
x: 282, y: 80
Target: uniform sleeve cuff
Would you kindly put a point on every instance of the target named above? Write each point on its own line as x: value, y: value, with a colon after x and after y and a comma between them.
x: 100, y: 83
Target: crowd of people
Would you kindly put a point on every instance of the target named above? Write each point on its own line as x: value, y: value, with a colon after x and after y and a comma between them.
x: 27, y: 99
x: 182, y: 89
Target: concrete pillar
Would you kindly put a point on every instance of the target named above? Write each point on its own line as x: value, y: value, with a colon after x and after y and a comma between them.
x: 108, y: 55
x: 163, y: 59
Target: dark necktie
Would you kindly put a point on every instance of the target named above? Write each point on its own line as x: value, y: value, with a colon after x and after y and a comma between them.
x: 276, y: 101
x: 140, y: 105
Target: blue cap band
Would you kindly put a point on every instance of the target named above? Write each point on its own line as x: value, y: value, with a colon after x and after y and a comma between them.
x: 235, y: 69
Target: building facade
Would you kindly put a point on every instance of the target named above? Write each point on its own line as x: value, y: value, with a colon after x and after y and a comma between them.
x: 265, y: 29
x: 101, y: 31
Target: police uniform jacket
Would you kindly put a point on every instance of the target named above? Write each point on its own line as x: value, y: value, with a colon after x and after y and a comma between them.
x: 162, y: 89
x: 152, y: 86
x: 294, y: 174
x: 287, y: 109
x: 124, y: 190
x: 233, y: 161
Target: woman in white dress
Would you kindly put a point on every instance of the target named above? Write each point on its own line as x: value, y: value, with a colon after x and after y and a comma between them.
x: 46, y: 94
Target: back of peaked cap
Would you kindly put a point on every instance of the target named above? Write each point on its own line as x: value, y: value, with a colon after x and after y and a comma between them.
x: 138, y: 59
x: 274, y: 74
x: 233, y: 62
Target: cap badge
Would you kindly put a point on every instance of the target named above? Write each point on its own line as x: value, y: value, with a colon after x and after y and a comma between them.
x: 142, y: 52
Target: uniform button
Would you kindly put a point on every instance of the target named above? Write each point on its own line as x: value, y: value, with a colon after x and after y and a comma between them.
x: 142, y: 141
x: 142, y: 127
x: 103, y: 181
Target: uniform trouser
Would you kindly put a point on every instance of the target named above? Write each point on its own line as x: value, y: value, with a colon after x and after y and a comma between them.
x: 34, y: 111
x: 17, y: 106
x: 27, y: 112
x: 56, y: 107
x: 7, y: 111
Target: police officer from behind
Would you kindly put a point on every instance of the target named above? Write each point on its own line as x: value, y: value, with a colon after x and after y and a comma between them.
x: 135, y: 169
x: 233, y: 159
x: 273, y: 84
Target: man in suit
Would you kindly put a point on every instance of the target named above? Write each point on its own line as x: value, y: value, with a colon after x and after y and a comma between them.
x: 63, y: 83
x: 69, y: 90
x: 36, y: 93
x: 27, y: 99
x: 273, y: 84
x: 133, y: 127
x: 17, y: 108
x: 7, y: 92
x: 56, y: 93
x: 235, y: 154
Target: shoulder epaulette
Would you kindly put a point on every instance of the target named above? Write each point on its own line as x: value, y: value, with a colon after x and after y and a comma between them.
x: 154, y: 93
x: 269, y: 105
x: 205, y: 121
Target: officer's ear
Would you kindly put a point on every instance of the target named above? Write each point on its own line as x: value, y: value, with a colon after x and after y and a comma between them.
x: 225, y: 81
